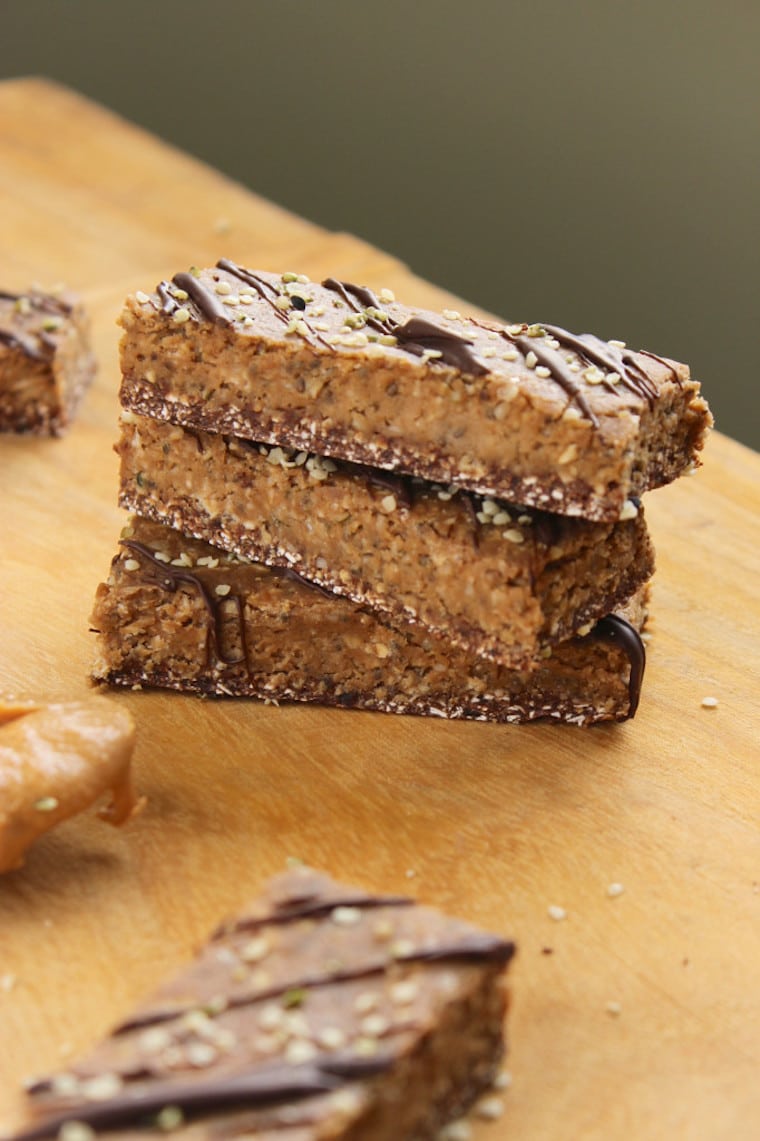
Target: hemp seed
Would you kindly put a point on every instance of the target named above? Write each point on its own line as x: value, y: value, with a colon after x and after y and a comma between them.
x: 46, y: 804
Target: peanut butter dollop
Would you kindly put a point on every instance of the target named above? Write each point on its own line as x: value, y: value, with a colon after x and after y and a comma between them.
x: 55, y: 761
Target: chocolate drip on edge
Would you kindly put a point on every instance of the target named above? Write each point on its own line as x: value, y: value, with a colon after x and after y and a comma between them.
x: 620, y: 632
x: 399, y: 484
x: 660, y: 360
x: 295, y: 576
x: 560, y: 373
x: 170, y: 578
x: 601, y: 353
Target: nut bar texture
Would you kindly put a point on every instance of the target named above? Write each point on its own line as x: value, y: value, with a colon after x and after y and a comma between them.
x: 527, y: 413
x: 322, y: 1012
x: 491, y: 578
x: 178, y: 613
x: 45, y: 361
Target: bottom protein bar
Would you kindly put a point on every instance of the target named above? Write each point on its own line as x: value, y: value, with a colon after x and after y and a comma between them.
x: 178, y: 613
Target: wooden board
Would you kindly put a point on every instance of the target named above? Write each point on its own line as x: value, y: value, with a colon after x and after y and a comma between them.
x: 492, y: 822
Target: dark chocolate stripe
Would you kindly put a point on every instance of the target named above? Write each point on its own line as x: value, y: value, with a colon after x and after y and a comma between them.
x: 170, y: 577
x: 312, y: 909
x: 29, y: 345
x: 268, y: 293
x: 415, y: 336
x: 208, y: 303
x: 560, y: 372
x: 358, y: 297
x: 291, y: 573
x: 37, y: 345
x: 628, y: 355
x: 400, y: 484
x: 265, y: 290
x: 264, y: 1086
x: 43, y: 302
x: 609, y: 357
x: 620, y: 632
x: 169, y: 303
x: 472, y: 948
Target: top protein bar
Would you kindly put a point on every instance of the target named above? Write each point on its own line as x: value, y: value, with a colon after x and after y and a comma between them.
x: 529, y: 413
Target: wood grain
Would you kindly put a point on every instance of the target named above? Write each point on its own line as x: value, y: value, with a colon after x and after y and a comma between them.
x: 491, y: 822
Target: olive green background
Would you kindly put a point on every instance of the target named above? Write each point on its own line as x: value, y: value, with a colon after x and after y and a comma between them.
x: 594, y: 164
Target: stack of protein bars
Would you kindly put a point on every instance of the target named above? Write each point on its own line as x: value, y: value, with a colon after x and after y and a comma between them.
x: 474, y: 546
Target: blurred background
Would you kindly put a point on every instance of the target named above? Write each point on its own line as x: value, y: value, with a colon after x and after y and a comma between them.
x: 592, y: 163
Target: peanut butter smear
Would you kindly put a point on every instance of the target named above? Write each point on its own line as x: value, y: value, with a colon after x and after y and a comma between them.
x: 57, y: 760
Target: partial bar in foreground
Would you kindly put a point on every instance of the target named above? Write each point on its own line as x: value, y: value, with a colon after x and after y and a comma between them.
x: 323, y: 1012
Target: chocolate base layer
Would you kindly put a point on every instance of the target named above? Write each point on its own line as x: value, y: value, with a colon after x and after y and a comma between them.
x: 323, y: 1012
x: 46, y: 363
x: 527, y: 413
x: 179, y: 613
x: 496, y: 580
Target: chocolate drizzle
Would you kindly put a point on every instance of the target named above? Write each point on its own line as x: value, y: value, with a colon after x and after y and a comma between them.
x: 266, y: 1085
x: 312, y: 907
x: 44, y: 302
x: 37, y: 344
x: 208, y: 303
x: 30, y: 346
x: 170, y: 577
x: 470, y: 948
x: 417, y: 335
x: 622, y: 361
x: 295, y: 576
x: 266, y: 292
x: 620, y: 632
x: 560, y: 372
x: 358, y: 298
x: 401, y: 485
x: 169, y: 303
